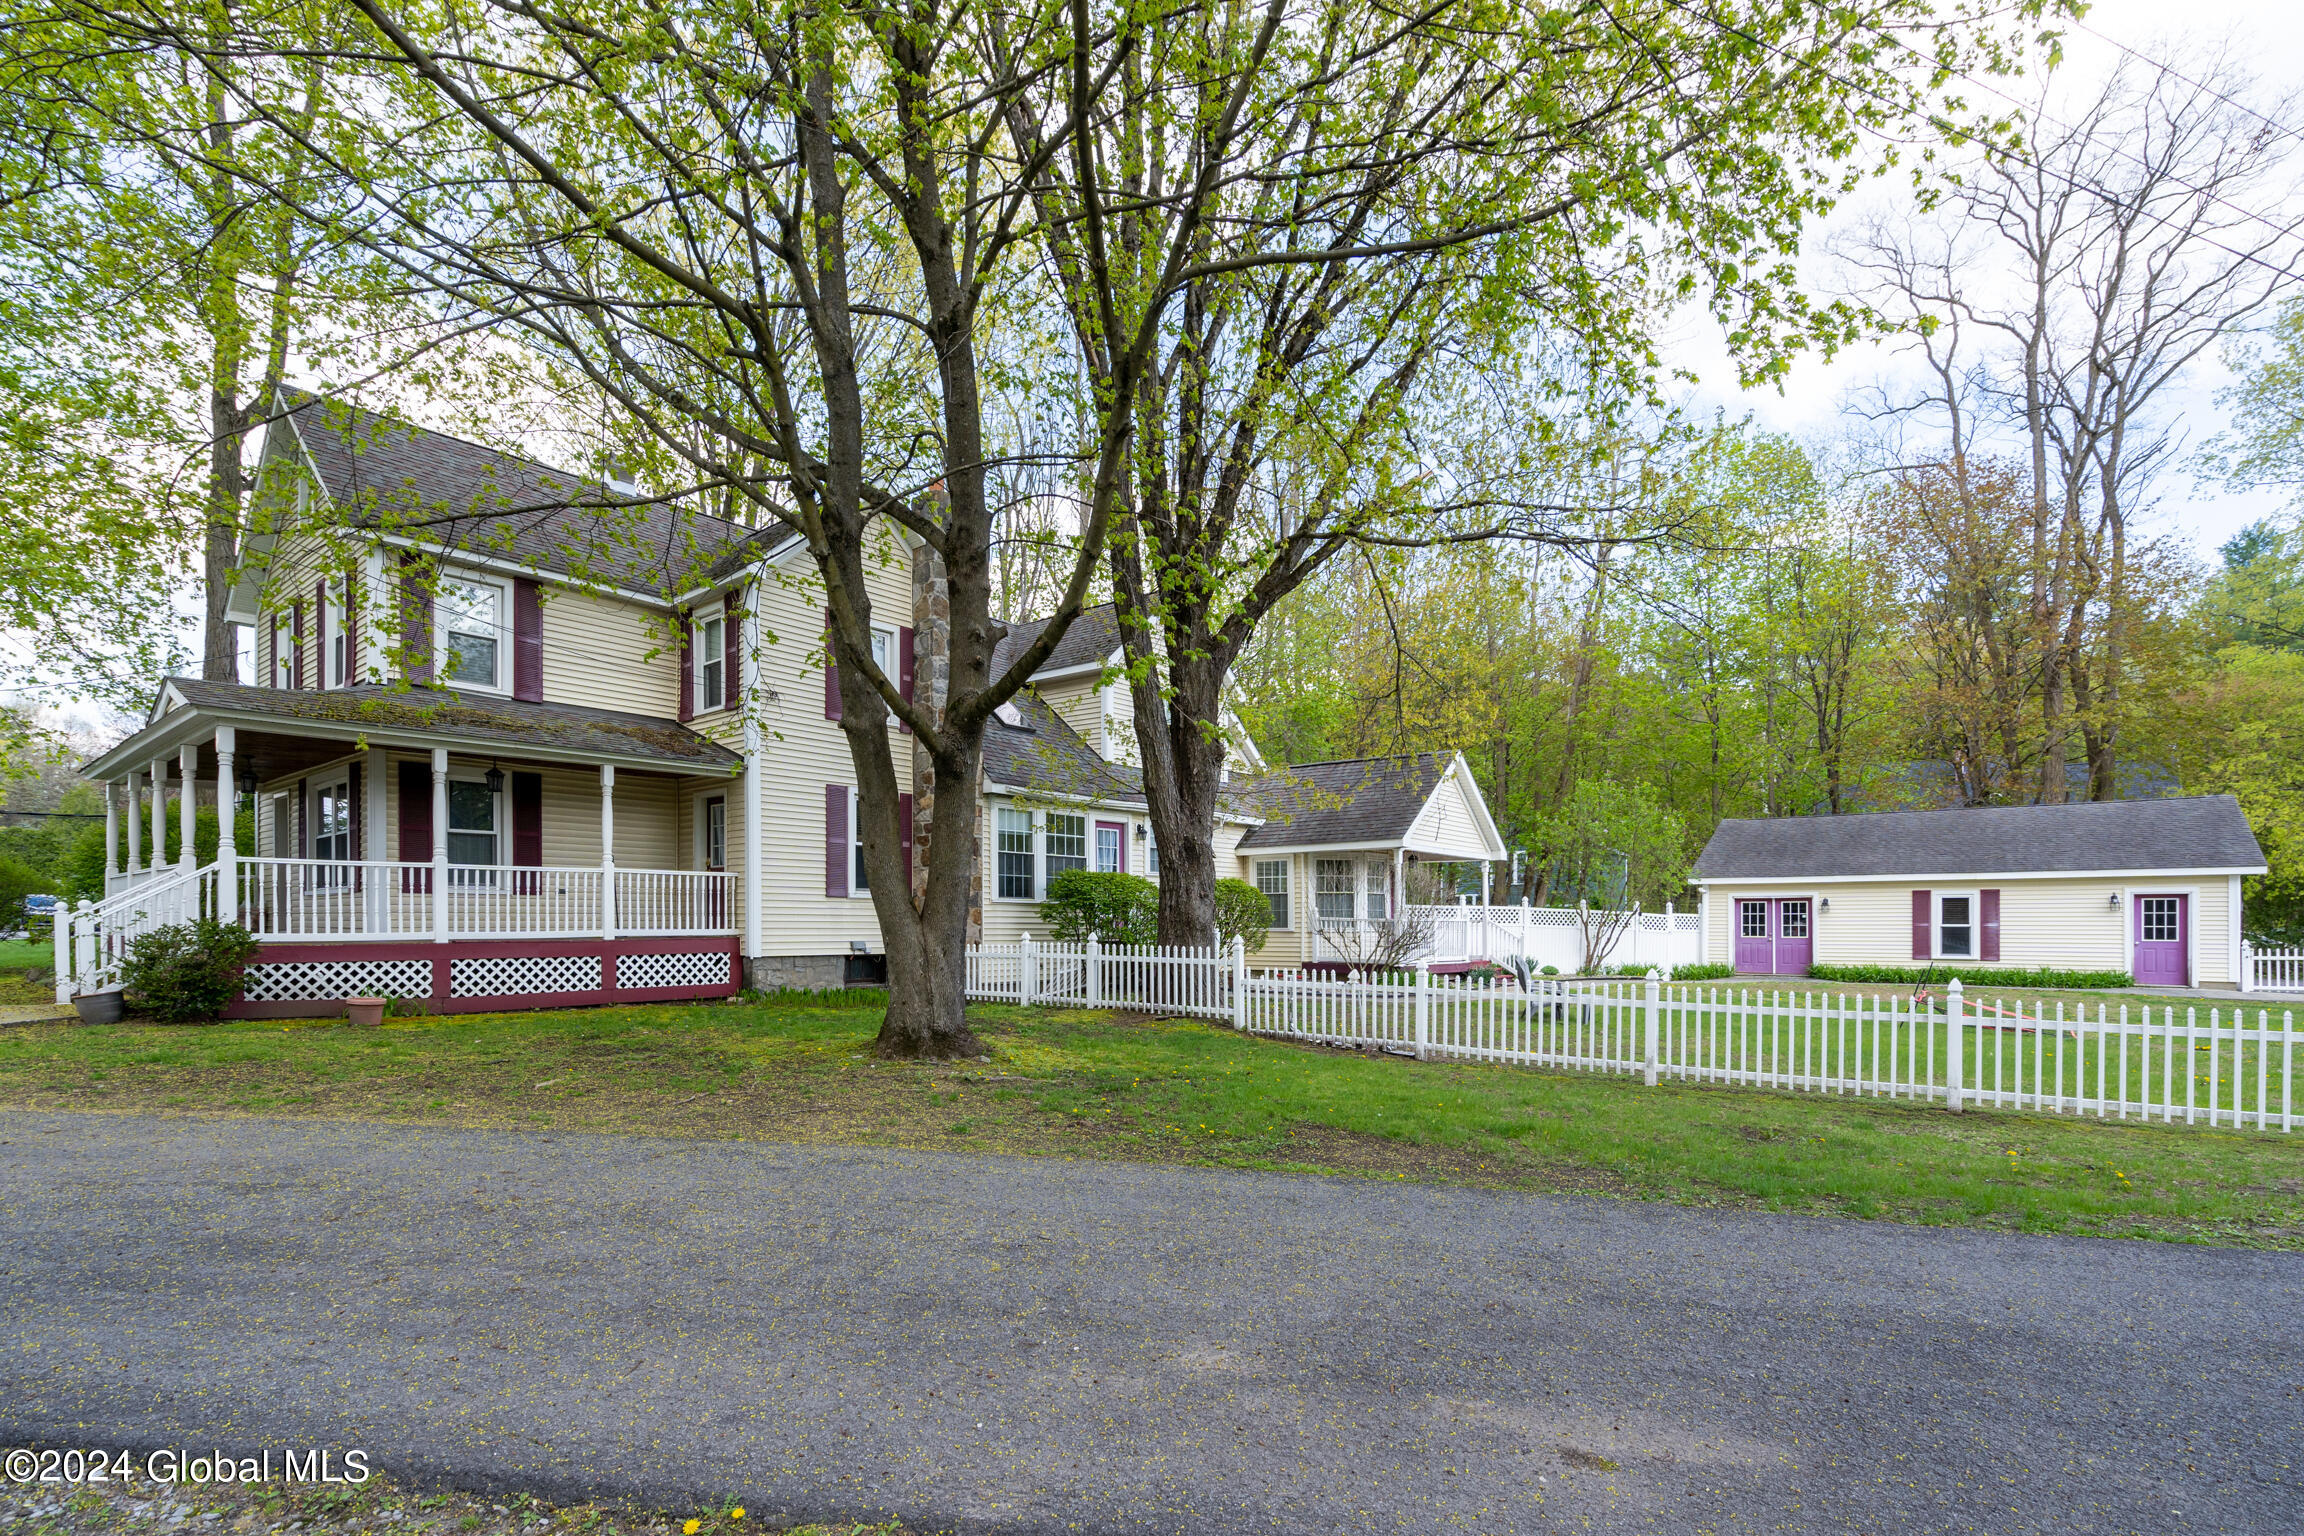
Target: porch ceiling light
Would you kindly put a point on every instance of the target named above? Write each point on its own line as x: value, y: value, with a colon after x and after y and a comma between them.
x: 495, y: 779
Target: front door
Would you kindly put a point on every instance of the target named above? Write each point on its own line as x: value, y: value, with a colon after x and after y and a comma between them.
x: 1755, y: 936
x: 2160, y: 941
x: 1111, y: 848
x: 1792, y: 941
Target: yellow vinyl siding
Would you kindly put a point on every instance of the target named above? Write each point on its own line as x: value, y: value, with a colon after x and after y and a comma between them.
x: 597, y: 653
x: 1446, y: 824
x: 801, y: 753
x: 1080, y: 704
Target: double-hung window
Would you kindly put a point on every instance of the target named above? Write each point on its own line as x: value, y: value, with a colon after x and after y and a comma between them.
x: 1333, y: 889
x: 472, y: 832
x: 859, y: 882
x: 1955, y: 925
x: 1067, y: 842
x: 332, y: 830
x: 1379, y: 890
x: 283, y: 651
x: 712, y: 658
x: 470, y: 618
x: 1015, y: 853
x: 338, y: 662
x: 1272, y: 880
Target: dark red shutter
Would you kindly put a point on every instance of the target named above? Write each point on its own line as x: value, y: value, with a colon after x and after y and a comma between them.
x: 296, y: 634
x: 831, y: 673
x: 416, y: 622
x: 528, y: 825
x: 835, y: 839
x: 351, y: 630
x: 320, y: 633
x: 904, y: 666
x: 268, y: 653
x: 1988, y: 946
x: 527, y: 641
x: 415, y: 811
x: 904, y: 833
x: 1923, y: 941
x: 732, y: 655
x: 687, y: 668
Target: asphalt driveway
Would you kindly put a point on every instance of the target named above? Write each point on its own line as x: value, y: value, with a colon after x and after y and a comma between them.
x: 991, y: 1344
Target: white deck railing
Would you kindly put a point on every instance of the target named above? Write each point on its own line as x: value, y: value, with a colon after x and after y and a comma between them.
x: 1542, y: 936
x: 2271, y: 970
x: 2220, y: 1066
x: 375, y: 901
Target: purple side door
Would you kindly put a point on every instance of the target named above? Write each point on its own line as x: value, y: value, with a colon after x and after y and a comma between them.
x: 2160, y: 941
x: 1755, y: 936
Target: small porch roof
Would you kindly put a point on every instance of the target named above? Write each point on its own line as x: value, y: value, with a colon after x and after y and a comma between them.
x: 280, y: 731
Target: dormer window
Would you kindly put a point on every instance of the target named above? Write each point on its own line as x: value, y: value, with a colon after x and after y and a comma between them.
x: 338, y: 662
x: 471, y: 622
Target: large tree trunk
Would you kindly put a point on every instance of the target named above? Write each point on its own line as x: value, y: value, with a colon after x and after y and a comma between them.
x: 1183, y: 793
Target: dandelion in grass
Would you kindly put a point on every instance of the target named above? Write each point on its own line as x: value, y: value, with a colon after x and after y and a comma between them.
x: 737, y: 1513
x: 691, y: 1528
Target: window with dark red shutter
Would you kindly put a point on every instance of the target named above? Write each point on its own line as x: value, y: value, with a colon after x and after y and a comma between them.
x: 835, y: 839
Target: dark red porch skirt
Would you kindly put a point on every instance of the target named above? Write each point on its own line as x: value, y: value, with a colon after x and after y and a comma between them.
x: 525, y: 970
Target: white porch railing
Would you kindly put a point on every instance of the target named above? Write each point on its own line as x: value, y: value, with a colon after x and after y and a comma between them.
x: 1544, y: 936
x: 370, y: 901
x: 2220, y: 1066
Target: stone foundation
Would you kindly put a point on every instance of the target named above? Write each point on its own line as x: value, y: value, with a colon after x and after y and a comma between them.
x: 795, y: 973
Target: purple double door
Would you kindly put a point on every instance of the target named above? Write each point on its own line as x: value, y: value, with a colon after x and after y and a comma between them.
x: 2162, y: 947
x: 1774, y: 935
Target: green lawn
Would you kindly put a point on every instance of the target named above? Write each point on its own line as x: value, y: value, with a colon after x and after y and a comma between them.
x: 22, y: 954
x: 1094, y: 1085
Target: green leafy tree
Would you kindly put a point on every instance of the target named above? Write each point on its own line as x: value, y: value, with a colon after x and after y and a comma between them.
x: 1612, y: 849
x: 1244, y: 913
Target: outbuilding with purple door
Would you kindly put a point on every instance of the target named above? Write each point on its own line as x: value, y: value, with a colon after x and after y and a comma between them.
x: 2151, y: 887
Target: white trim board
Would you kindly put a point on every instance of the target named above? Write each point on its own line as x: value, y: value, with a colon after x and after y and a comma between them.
x: 1988, y: 875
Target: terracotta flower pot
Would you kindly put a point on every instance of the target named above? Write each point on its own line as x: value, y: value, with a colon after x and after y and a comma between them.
x: 367, y: 1012
x: 99, y: 1007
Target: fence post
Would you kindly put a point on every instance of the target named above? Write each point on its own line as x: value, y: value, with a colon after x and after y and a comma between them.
x: 61, y: 937
x: 2247, y: 967
x: 83, y: 945
x: 1239, y: 983
x: 1095, y: 973
x: 1024, y: 977
x: 1956, y: 1035
x: 1423, y: 1013
x: 1651, y: 1026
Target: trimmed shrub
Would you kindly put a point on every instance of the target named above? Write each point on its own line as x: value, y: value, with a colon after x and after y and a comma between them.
x: 187, y: 971
x: 1118, y: 909
x: 1242, y: 912
x: 1969, y: 975
x: 1709, y: 971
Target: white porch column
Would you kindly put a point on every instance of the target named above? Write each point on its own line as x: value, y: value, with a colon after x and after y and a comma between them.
x: 376, y: 847
x: 607, y: 850
x: 439, y: 845
x: 187, y: 805
x: 135, y: 827
x: 1487, y: 869
x: 754, y: 887
x: 227, y: 851
x: 111, y: 836
x: 159, y: 814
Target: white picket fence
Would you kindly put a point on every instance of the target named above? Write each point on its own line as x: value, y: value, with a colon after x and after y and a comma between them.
x: 2128, y: 1060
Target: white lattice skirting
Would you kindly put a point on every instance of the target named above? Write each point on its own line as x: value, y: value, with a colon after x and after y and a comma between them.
x: 640, y: 971
x: 519, y: 975
x: 306, y: 980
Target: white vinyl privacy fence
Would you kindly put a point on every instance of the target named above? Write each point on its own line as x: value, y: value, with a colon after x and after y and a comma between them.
x: 2219, y: 1066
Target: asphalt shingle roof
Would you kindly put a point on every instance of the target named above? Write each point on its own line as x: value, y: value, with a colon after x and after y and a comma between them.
x: 445, y: 712
x: 1357, y: 801
x: 1047, y: 755
x: 1090, y: 640
x: 2202, y: 832
x: 385, y: 473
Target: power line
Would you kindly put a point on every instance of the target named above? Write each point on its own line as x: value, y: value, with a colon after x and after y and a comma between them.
x: 2167, y: 68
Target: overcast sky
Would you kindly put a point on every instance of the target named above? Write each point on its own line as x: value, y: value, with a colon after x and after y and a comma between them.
x: 2269, y: 34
